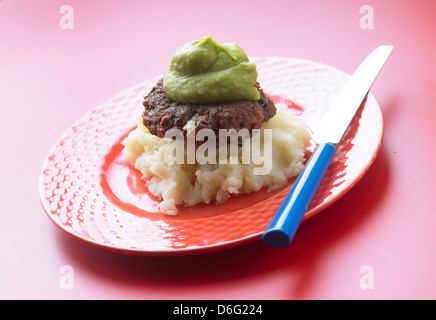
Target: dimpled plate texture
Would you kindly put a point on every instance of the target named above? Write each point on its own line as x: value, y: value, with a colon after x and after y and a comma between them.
x: 90, y: 193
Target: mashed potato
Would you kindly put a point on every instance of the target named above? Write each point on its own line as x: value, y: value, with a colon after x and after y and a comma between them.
x: 283, y: 142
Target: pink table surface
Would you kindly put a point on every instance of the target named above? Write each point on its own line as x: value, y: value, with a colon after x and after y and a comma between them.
x: 50, y: 76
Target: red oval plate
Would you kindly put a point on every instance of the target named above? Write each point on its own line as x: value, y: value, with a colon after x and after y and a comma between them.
x: 88, y: 191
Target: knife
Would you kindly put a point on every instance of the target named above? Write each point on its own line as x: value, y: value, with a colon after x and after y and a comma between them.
x: 282, y: 228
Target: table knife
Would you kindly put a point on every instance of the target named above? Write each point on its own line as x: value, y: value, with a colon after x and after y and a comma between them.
x: 283, y: 226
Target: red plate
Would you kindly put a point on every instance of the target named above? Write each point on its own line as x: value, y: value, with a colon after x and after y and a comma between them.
x: 89, y: 192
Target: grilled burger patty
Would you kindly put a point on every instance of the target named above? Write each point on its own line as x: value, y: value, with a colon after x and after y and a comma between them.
x: 161, y: 113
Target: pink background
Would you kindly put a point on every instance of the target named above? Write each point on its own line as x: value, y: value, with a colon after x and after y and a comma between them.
x: 49, y: 77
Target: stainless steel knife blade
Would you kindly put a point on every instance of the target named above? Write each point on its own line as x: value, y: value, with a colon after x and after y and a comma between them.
x: 339, y: 115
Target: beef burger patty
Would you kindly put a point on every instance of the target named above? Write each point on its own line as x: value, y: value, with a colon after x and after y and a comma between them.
x: 161, y: 113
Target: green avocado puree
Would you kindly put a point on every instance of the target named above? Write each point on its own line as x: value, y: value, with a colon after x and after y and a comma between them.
x: 203, y: 71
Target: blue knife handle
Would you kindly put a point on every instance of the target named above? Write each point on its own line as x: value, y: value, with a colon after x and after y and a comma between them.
x: 288, y: 217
